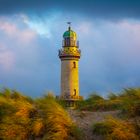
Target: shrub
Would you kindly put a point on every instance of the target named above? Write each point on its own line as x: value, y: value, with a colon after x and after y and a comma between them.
x: 115, y: 129
x: 99, y: 105
x: 75, y: 133
x: 130, y: 102
x: 15, y: 116
x: 112, y: 96
x: 23, y: 118
x: 94, y: 97
x: 57, y: 123
x: 38, y: 127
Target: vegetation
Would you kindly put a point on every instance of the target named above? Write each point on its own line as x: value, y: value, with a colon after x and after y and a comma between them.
x: 97, y: 103
x: 128, y: 127
x: 115, y: 129
x: 22, y: 118
x: 128, y: 101
x: 45, y: 118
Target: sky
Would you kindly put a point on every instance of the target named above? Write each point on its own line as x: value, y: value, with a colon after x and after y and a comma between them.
x: 31, y: 35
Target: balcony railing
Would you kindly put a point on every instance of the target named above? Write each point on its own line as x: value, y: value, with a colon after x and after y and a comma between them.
x: 76, y: 52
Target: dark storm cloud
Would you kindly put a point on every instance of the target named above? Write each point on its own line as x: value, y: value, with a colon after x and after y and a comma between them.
x: 92, y: 8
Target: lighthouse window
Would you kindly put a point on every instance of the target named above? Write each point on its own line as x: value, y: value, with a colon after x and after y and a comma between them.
x: 74, y: 92
x: 74, y: 64
x: 71, y: 41
x: 67, y: 41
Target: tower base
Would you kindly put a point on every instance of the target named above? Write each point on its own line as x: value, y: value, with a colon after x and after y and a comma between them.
x: 71, y: 103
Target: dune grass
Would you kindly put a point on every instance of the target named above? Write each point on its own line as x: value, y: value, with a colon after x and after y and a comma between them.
x: 128, y: 101
x: 116, y: 129
x: 23, y: 118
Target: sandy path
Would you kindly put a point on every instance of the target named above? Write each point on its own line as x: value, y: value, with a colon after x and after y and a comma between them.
x: 85, y: 120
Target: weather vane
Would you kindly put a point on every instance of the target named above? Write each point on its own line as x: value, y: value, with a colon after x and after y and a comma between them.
x: 69, y: 23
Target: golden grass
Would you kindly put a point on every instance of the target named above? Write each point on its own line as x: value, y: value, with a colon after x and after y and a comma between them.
x: 115, y: 129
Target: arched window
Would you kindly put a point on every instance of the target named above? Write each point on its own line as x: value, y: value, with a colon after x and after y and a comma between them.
x: 74, y: 64
x: 74, y: 94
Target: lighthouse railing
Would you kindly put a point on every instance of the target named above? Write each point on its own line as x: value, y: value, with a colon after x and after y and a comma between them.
x: 62, y: 52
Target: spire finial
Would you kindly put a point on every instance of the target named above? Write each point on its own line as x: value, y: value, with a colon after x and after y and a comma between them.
x: 69, y: 23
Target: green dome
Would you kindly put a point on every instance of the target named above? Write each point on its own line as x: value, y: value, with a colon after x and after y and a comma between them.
x: 69, y: 33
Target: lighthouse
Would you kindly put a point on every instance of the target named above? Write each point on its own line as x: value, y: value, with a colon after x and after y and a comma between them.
x: 69, y: 55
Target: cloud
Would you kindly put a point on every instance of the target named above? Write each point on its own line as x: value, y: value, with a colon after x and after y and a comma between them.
x: 12, y: 30
x: 7, y: 59
x: 27, y: 59
x: 41, y: 25
x: 109, y: 9
x: 84, y: 27
x: 110, y: 56
x: 13, y: 41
